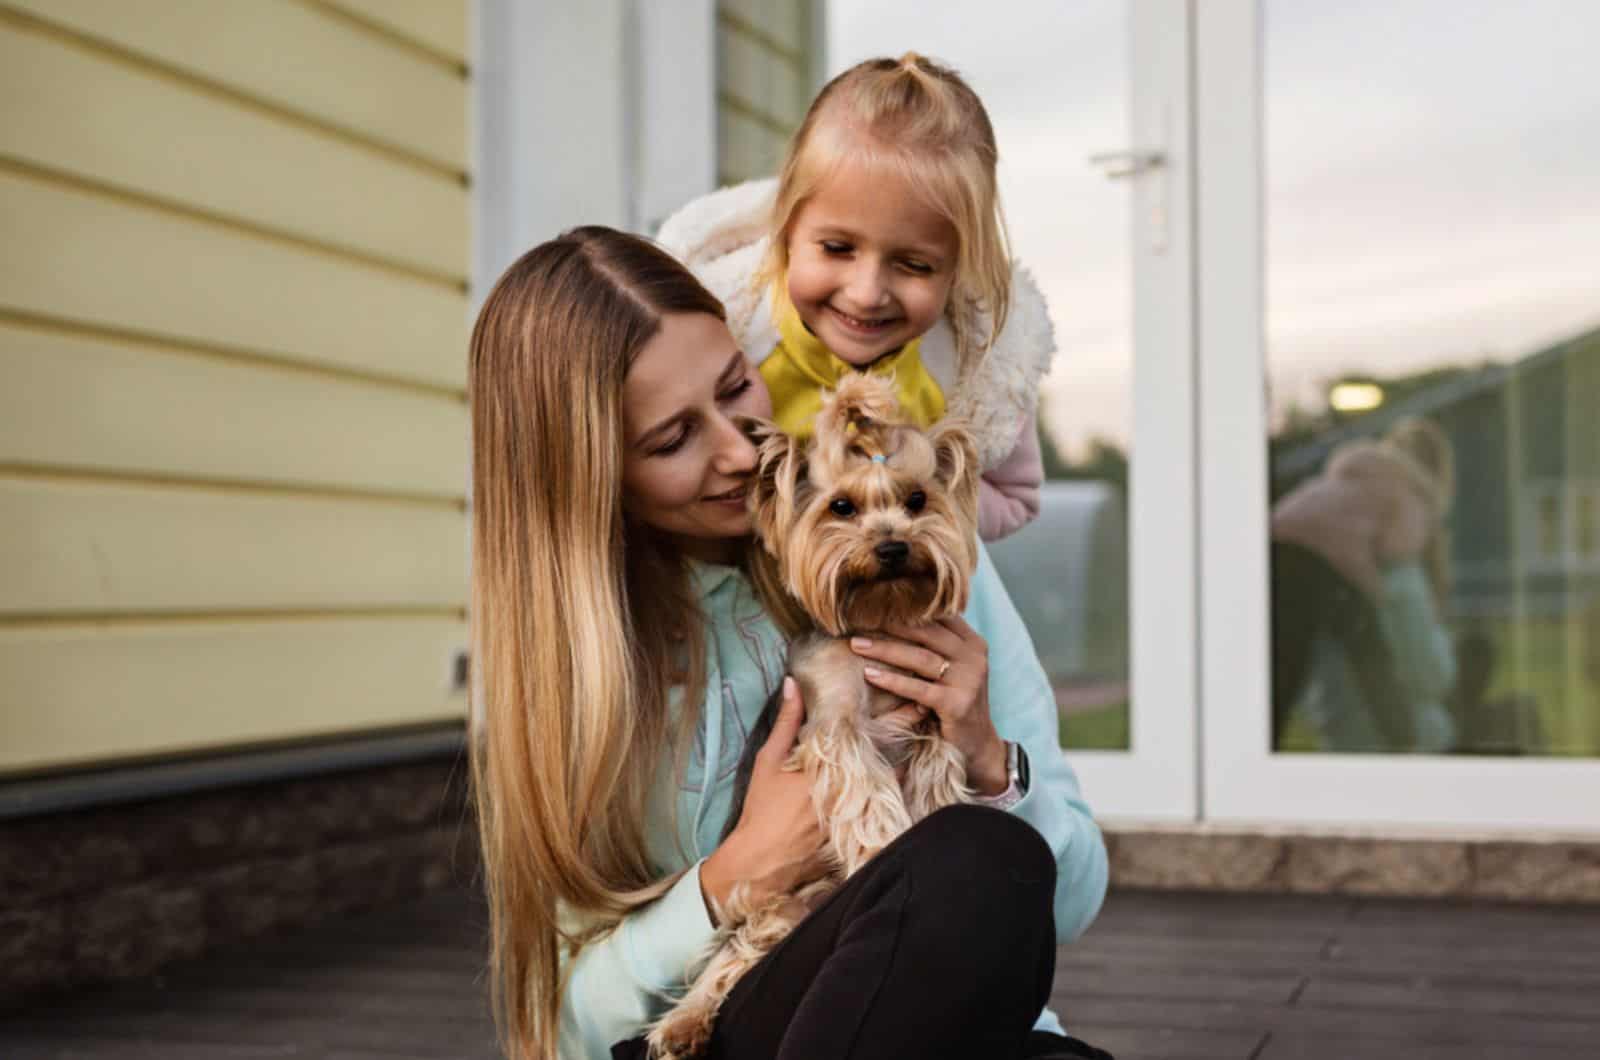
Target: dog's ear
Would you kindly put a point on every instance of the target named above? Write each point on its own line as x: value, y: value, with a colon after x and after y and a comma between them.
x: 779, y: 483
x: 956, y: 465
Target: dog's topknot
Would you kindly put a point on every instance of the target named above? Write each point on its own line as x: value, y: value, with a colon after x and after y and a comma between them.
x: 858, y: 417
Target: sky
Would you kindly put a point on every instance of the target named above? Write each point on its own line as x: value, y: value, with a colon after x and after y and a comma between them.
x: 1431, y: 185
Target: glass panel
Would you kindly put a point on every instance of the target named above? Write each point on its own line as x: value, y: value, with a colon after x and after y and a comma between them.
x: 1433, y: 334
x: 1054, y: 78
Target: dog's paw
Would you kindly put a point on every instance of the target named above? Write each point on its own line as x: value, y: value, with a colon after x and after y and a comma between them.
x: 680, y: 1036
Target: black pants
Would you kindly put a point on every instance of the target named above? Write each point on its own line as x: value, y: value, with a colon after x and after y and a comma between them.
x: 942, y: 946
x: 1309, y: 597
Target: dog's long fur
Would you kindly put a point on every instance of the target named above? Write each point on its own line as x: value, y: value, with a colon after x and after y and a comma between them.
x: 871, y: 776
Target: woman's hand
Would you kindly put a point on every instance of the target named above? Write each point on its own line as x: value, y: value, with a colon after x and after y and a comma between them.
x: 952, y: 666
x: 774, y: 846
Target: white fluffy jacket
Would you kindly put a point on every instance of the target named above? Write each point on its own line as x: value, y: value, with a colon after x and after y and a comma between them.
x: 722, y: 237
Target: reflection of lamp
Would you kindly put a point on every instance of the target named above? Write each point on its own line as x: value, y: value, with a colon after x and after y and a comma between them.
x: 1352, y: 395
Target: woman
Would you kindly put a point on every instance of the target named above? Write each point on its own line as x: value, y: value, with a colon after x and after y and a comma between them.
x: 624, y: 656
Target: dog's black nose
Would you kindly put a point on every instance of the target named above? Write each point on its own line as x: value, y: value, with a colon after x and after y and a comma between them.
x: 892, y: 553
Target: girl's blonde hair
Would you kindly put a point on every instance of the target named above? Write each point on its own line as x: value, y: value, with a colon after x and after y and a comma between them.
x: 920, y: 120
x: 575, y: 674
x: 1429, y: 449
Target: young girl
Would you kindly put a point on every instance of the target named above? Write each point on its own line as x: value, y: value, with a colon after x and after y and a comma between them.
x: 625, y: 656
x: 881, y: 247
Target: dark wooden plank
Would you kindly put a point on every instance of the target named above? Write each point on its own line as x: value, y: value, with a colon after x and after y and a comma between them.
x: 1425, y: 992
x: 1284, y: 945
x: 1416, y: 1025
x: 1220, y: 916
x: 1153, y: 981
x: 1191, y: 960
x: 1162, y: 1043
x: 1520, y: 927
x: 1468, y: 963
x: 1294, y: 1046
x: 133, y: 1049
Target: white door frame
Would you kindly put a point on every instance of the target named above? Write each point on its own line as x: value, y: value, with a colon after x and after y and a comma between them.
x: 1244, y: 782
x: 1156, y: 778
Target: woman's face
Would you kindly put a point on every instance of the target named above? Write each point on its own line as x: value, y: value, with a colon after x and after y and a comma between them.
x: 685, y: 459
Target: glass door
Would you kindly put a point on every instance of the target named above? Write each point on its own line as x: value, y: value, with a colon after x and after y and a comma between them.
x: 1398, y: 210
x: 1105, y: 576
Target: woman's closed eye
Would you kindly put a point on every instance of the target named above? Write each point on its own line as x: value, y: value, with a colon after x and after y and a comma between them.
x: 677, y: 441
x: 686, y: 431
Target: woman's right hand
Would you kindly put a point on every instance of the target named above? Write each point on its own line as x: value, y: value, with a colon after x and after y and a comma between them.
x: 774, y: 846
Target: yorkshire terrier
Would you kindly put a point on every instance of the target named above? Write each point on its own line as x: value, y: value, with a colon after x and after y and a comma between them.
x: 871, y: 523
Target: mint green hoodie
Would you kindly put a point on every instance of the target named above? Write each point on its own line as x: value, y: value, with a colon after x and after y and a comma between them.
x: 630, y: 977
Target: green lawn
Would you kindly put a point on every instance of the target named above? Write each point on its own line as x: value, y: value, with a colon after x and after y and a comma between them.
x: 1103, y: 729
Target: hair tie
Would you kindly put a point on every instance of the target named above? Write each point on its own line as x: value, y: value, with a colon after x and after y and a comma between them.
x: 877, y: 458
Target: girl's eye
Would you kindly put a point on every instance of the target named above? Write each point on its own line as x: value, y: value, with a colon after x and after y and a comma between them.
x: 842, y: 507
x: 921, y: 268
x: 916, y: 502
x: 830, y: 246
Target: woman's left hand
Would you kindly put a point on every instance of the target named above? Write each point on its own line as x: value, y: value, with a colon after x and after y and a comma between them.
x: 951, y: 664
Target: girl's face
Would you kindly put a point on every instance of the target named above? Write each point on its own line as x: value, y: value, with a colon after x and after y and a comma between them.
x: 870, y: 266
x: 685, y: 459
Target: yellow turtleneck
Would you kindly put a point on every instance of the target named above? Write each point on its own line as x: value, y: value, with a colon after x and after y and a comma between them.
x: 800, y: 368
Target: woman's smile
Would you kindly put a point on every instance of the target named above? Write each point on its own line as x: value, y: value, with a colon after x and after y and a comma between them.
x: 733, y: 499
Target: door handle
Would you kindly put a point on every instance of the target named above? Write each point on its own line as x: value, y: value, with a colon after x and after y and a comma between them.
x: 1119, y: 164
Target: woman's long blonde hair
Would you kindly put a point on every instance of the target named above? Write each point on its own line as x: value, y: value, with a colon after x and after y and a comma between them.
x: 574, y: 677
x: 918, y: 119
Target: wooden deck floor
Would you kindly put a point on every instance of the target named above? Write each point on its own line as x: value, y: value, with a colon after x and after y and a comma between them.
x: 1159, y: 976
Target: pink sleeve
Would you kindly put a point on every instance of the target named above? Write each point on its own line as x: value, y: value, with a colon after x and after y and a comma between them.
x: 1008, y: 493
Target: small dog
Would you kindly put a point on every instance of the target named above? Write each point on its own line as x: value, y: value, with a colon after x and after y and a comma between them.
x: 873, y: 522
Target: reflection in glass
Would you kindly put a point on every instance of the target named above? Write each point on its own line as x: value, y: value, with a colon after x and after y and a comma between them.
x: 1431, y: 235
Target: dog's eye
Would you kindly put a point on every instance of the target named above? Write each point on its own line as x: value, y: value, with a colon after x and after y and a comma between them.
x: 842, y: 507
x: 917, y: 501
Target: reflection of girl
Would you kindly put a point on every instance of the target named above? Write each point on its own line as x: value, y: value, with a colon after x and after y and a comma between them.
x: 1375, y: 516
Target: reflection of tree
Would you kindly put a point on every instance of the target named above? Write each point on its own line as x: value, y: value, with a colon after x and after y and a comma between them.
x: 1300, y: 424
x: 1104, y: 461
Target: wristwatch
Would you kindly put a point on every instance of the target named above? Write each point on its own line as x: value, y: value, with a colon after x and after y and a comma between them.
x: 1017, y: 770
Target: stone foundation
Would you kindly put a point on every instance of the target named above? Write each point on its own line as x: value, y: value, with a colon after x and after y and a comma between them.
x: 118, y: 891
x: 1206, y: 859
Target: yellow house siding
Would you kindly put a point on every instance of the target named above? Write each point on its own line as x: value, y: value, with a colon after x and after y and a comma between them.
x: 765, y: 55
x: 437, y: 26
x: 72, y: 546
x: 115, y: 406
x: 97, y: 118
x: 233, y: 431
x: 218, y: 683
x: 77, y: 254
x: 284, y: 56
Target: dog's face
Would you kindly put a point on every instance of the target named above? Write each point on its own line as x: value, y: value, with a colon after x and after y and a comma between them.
x: 875, y: 520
